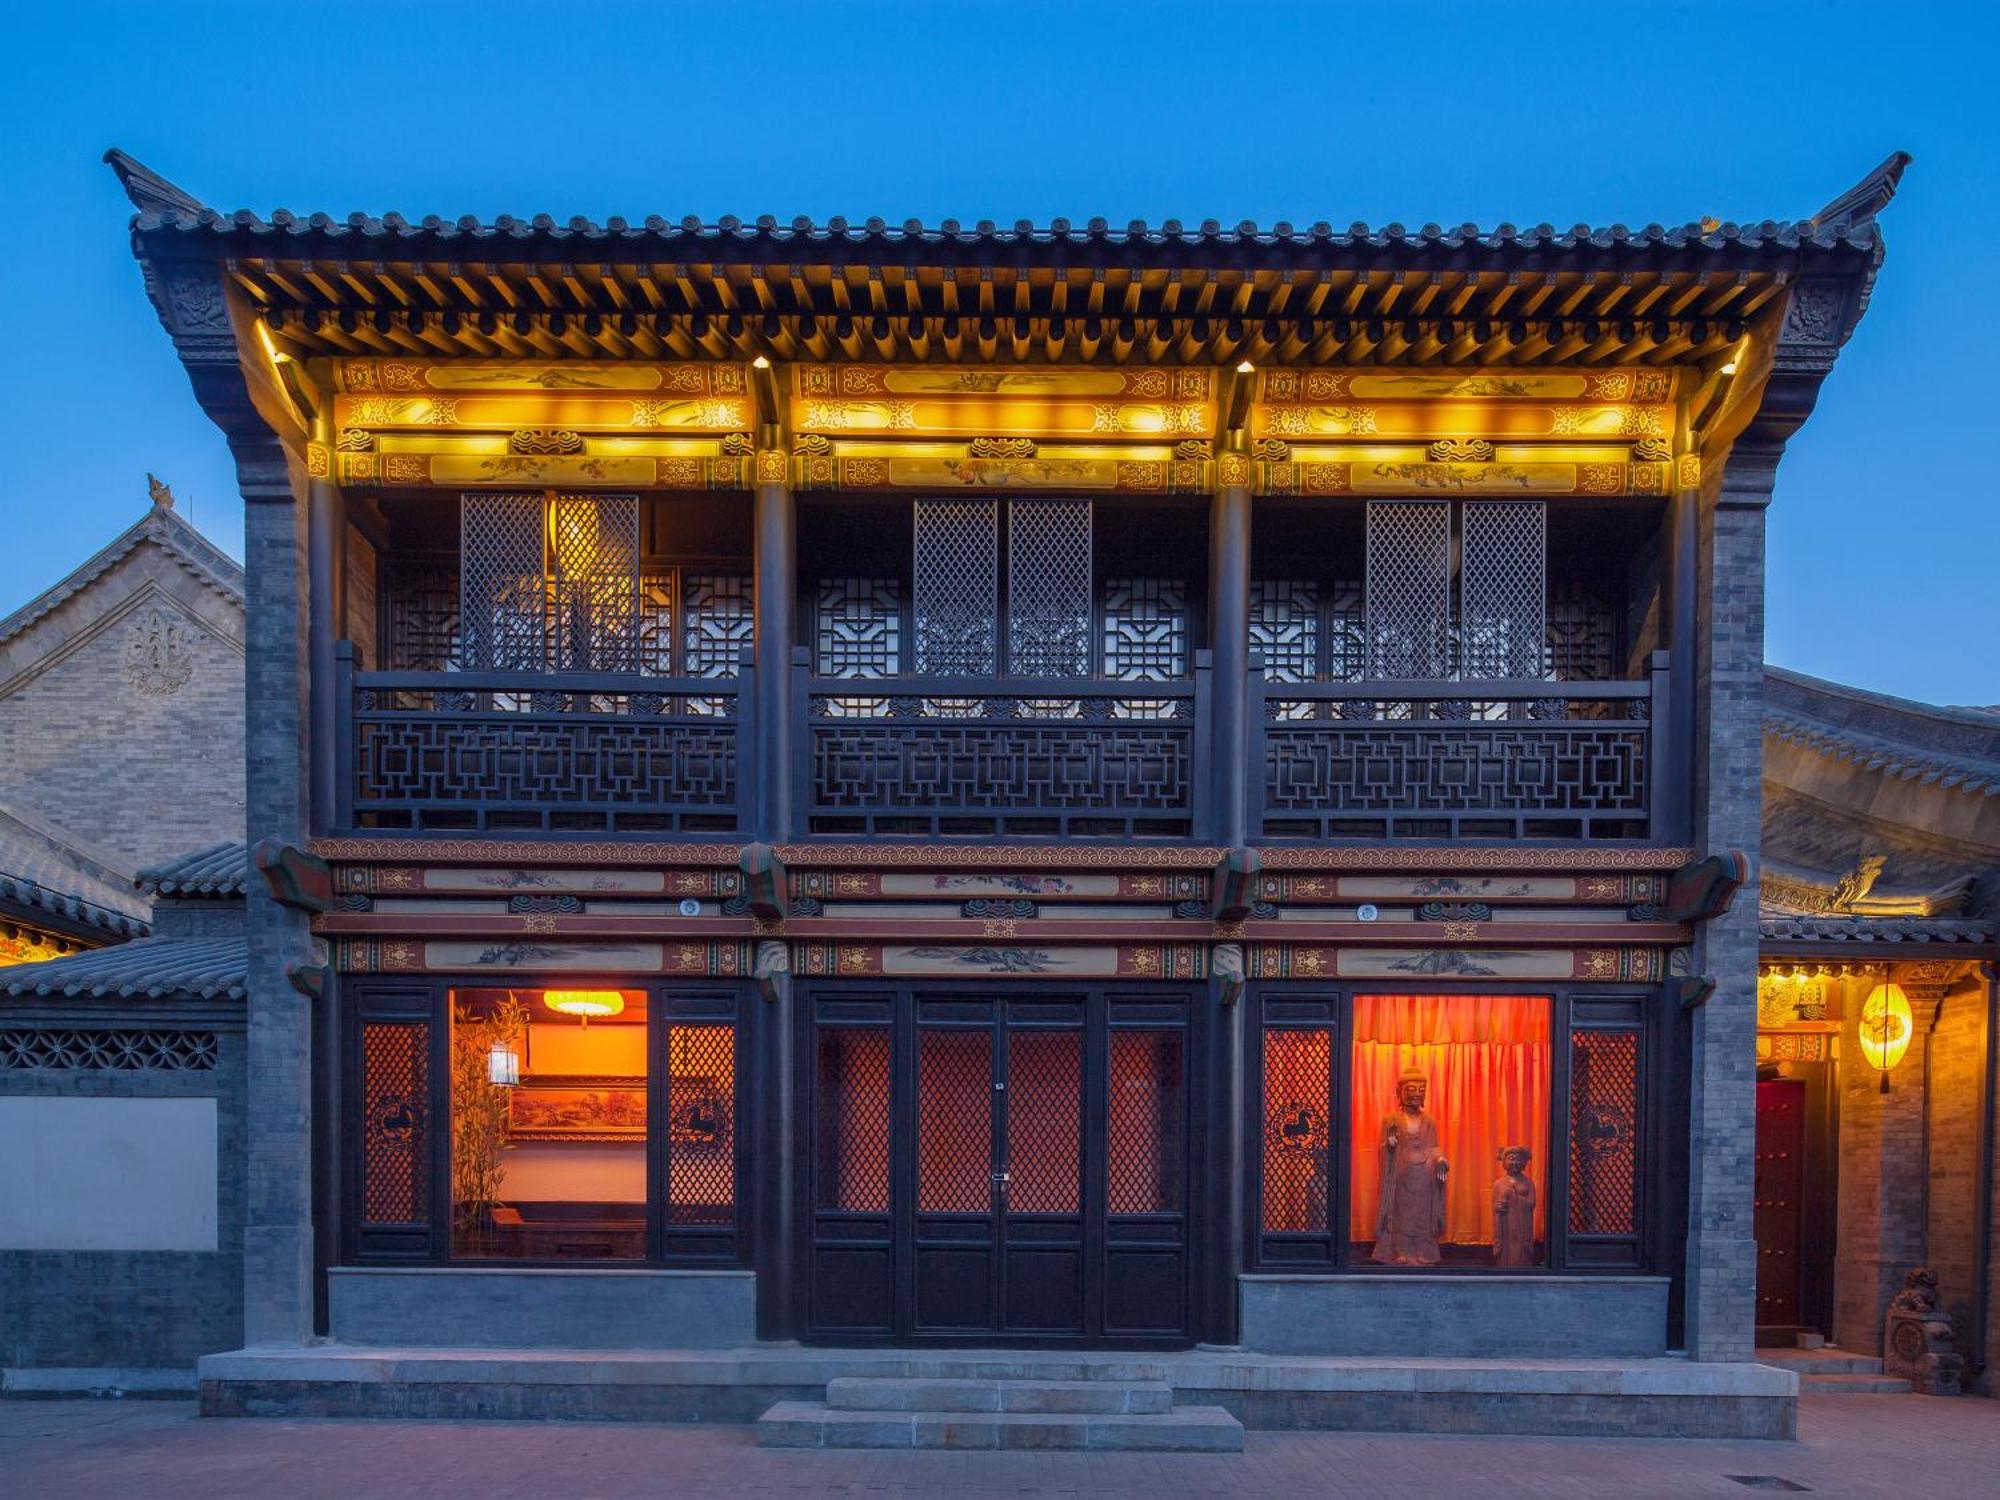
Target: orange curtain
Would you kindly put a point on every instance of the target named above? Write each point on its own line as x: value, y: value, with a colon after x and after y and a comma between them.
x: 1487, y: 1059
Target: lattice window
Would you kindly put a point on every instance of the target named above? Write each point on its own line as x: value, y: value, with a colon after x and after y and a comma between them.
x: 503, y: 603
x: 851, y: 1124
x: 1144, y: 1126
x: 957, y: 592
x: 107, y: 1051
x: 395, y: 1119
x: 419, y: 603
x: 1409, y: 589
x: 858, y: 627
x: 1346, y: 632
x: 1582, y: 633
x: 594, y: 584
x: 1045, y: 1122
x: 701, y: 1125
x: 1298, y: 1116
x: 954, y: 1121
x: 1048, y: 588
x: 1284, y: 626
x: 658, y: 588
x: 1603, y: 1132
x: 1503, y: 589
x: 718, y: 619
x: 1145, y: 629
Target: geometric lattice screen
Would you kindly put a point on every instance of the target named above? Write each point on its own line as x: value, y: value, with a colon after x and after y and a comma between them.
x: 1409, y: 589
x: 594, y: 583
x: 1145, y: 629
x: 701, y: 1124
x: 957, y: 594
x: 503, y: 606
x: 1048, y: 588
x: 395, y: 1122
x: 1503, y: 589
x: 1603, y: 1131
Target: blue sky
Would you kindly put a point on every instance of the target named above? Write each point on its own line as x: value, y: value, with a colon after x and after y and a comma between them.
x: 1886, y: 528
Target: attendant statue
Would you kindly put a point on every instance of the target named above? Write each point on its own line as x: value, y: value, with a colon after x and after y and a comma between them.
x: 1514, y: 1209
x: 1411, y: 1221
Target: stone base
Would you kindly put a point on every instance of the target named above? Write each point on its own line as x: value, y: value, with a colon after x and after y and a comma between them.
x: 69, y: 1382
x: 1392, y: 1315
x: 507, y: 1307
x: 1664, y: 1397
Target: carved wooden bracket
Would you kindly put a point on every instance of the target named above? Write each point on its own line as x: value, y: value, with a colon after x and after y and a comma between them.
x: 1693, y: 991
x: 308, y: 979
x: 772, y: 967
x: 1704, y: 888
x: 296, y: 879
x: 1235, y: 885
x: 763, y: 881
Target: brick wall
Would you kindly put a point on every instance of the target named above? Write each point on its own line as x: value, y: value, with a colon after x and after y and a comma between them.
x: 1957, y: 1075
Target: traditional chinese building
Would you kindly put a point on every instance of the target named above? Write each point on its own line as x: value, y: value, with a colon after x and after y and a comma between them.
x: 865, y: 788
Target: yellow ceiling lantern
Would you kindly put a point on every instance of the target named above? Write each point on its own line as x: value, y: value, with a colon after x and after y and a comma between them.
x: 1886, y: 1028
x: 589, y: 1005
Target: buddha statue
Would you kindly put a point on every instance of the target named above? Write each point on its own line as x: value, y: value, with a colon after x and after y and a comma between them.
x: 1411, y: 1220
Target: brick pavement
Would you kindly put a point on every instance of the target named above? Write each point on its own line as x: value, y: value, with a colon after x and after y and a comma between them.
x: 138, y: 1450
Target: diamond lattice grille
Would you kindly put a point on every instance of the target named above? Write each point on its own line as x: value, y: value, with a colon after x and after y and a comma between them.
x: 1044, y: 1121
x: 395, y: 1116
x: 1048, y: 588
x: 957, y: 592
x: 1603, y: 1132
x: 595, y: 588
x: 954, y: 1122
x: 1503, y: 589
x: 851, y: 1128
x: 503, y: 604
x: 1298, y: 1110
x: 1409, y: 589
x: 1143, y: 1128
x: 701, y: 1125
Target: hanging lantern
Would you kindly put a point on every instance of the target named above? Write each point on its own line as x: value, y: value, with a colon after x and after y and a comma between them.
x: 585, y: 1005
x: 503, y: 1065
x: 1886, y: 1028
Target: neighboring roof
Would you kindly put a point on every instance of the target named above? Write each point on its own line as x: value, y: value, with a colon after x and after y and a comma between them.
x: 165, y: 529
x: 220, y: 870
x: 1877, y: 930
x: 49, y: 871
x: 149, y: 969
x: 1947, y: 747
x: 389, y: 284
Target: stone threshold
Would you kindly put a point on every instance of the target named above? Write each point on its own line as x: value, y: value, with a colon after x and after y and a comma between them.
x: 61, y: 1382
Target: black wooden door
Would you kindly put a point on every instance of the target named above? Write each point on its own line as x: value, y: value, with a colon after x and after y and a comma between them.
x: 1777, y: 1199
x: 1006, y: 1166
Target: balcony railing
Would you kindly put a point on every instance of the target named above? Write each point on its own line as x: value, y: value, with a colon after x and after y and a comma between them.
x: 1029, y: 757
x: 558, y: 752
x: 1461, y: 760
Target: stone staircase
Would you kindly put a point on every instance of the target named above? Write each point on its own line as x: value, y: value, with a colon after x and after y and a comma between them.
x: 964, y: 1409
x: 1834, y: 1372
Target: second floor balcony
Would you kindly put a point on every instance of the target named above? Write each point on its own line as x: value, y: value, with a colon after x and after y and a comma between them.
x: 1031, y: 671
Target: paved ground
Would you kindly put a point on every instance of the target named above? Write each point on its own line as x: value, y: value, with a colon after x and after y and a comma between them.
x: 137, y: 1450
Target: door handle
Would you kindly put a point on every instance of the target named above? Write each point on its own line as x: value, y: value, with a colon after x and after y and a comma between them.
x: 1003, y: 1176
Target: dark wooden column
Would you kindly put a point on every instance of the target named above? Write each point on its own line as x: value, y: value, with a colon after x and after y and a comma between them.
x: 771, y: 1227
x: 326, y: 536
x: 1229, y: 632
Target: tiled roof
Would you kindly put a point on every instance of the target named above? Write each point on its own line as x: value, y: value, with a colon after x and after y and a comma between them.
x: 216, y: 871
x: 149, y: 969
x: 163, y: 527
x: 44, y: 869
x: 1881, y: 930
x: 1948, y: 747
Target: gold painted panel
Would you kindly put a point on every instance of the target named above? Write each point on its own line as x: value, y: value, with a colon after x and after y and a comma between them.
x: 394, y: 376
x: 1646, y: 384
x: 1460, y: 419
x: 507, y: 413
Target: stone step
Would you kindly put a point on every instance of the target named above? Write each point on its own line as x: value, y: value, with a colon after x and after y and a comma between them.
x: 1853, y: 1385
x: 813, y: 1424
x: 890, y: 1394
x: 1817, y: 1363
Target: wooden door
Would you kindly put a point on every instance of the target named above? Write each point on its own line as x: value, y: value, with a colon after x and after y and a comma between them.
x: 1778, y: 1195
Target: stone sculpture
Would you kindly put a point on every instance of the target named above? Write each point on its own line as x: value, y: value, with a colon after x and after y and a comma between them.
x: 1411, y: 1221
x: 1514, y: 1209
x: 1917, y: 1339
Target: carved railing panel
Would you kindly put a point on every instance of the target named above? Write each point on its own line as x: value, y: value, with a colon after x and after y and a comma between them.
x: 564, y: 752
x: 1493, y: 759
x: 1004, y: 756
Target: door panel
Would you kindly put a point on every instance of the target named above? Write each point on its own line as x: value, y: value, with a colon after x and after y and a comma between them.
x: 1778, y: 1198
x: 1006, y: 1165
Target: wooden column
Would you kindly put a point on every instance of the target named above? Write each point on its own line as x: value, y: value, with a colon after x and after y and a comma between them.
x: 326, y: 529
x: 772, y: 1224
x: 1222, y: 1245
x: 777, y: 569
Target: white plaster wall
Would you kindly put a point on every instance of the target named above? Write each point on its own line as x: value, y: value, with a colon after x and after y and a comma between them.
x: 107, y: 1174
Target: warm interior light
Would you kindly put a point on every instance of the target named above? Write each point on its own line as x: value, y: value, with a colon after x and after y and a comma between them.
x: 1886, y: 1027
x: 1730, y: 368
x: 503, y: 1065
x: 584, y: 1004
x: 272, y: 352
x: 760, y: 363
x: 1245, y: 368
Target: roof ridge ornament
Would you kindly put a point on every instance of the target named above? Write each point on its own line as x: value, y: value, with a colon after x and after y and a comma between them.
x: 149, y: 191
x: 1867, y: 198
